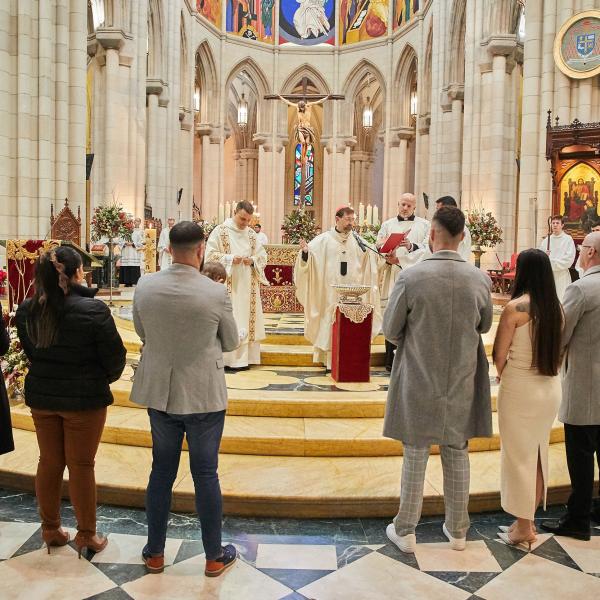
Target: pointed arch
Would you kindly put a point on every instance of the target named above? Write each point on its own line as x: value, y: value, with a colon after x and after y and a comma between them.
x: 156, y: 41
x: 405, y: 79
x: 262, y: 88
x: 207, y: 81
x: 455, y: 54
x: 308, y: 71
x: 425, y: 87
x: 184, y: 80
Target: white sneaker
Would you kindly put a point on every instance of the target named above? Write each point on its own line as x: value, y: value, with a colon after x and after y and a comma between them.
x: 406, y: 543
x: 455, y: 543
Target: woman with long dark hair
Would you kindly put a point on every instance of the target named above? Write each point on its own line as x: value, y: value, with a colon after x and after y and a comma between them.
x: 527, y: 358
x: 75, y: 353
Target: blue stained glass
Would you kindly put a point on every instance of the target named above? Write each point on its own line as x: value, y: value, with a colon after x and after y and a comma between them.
x: 309, y: 173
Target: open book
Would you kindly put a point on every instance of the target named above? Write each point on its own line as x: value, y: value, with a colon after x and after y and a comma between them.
x: 393, y: 241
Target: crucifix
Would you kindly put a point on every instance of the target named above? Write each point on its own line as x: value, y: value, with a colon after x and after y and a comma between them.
x: 304, y: 131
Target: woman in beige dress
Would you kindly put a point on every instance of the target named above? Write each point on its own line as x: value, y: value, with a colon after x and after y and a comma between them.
x: 527, y: 358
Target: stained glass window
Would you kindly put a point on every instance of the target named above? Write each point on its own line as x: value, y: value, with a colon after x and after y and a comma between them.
x: 309, y: 174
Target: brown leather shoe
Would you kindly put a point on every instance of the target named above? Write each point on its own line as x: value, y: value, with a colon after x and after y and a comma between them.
x: 154, y: 564
x: 214, y: 568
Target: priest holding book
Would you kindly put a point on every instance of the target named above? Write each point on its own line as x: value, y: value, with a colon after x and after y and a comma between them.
x: 333, y: 257
x: 401, y: 252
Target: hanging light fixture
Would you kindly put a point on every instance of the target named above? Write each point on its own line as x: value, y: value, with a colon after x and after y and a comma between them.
x: 414, y: 104
x: 242, y: 113
x: 367, y: 115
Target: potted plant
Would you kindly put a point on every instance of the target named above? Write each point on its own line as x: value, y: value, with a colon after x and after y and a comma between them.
x: 298, y: 225
x: 15, y: 366
x: 485, y: 232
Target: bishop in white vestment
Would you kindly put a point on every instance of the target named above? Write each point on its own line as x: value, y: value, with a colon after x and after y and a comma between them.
x: 333, y: 257
x: 562, y: 254
x: 164, y: 256
x: 235, y: 245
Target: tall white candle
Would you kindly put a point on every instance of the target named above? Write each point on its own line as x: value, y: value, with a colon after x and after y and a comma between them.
x: 375, y: 215
x: 227, y: 209
x: 221, y: 215
x: 360, y: 213
x: 369, y: 215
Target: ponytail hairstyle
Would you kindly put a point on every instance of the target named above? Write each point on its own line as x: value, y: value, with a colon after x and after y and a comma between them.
x: 53, y: 273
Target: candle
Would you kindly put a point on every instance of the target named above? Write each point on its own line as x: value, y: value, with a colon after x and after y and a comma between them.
x: 227, y: 209
x: 369, y: 215
x: 221, y: 213
x: 375, y: 215
x: 360, y: 214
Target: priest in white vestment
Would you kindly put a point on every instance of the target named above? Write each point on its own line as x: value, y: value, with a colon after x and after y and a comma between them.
x: 132, y: 262
x: 333, y: 257
x: 562, y: 254
x: 464, y: 248
x: 164, y: 254
x: 235, y: 245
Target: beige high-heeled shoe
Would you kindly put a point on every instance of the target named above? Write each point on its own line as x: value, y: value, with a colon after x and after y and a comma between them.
x: 525, y: 542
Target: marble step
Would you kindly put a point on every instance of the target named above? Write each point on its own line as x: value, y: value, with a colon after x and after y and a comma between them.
x: 275, y: 486
x: 292, y: 403
x: 277, y: 436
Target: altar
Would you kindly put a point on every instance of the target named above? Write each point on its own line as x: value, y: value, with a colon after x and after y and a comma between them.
x: 280, y: 295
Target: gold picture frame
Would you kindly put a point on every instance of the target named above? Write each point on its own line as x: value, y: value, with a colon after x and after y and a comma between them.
x: 568, y: 65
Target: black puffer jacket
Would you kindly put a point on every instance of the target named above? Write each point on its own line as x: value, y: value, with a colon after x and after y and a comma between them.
x: 76, y: 371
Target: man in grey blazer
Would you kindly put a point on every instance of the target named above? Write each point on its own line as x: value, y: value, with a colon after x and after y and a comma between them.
x: 580, y: 407
x: 185, y: 322
x: 439, y: 389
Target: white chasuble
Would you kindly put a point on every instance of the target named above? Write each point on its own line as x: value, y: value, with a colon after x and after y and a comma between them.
x: 418, y: 234
x: 562, y: 255
x: 243, y: 282
x: 313, y: 278
x: 131, y: 255
x: 164, y: 256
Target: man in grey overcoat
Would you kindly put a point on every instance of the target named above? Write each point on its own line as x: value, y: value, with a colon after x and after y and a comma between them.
x: 580, y: 407
x: 439, y: 389
x: 185, y: 322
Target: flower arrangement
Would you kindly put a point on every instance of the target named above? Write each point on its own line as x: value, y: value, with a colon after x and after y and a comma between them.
x: 484, y: 228
x: 110, y: 221
x: 15, y: 365
x: 368, y: 232
x: 207, y: 227
x: 3, y: 278
x: 298, y: 225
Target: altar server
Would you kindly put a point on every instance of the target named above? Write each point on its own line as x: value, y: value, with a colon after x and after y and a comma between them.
x: 561, y: 250
x: 164, y: 254
x: 132, y: 256
x: 235, y: 245
x: 409, y: 253
x: 333, y: 257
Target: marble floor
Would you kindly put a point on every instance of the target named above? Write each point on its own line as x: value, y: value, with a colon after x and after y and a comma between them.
x: 286, y: 559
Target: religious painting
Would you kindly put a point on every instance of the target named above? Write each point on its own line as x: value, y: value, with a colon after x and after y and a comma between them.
x: 307, y: 22
x: 309, y: 171
x: 579, y: 197
x: 251, y: 19
x: 403, y: 12
x: 362, y: 20
x: 577, y: 45
x: 211, y: 10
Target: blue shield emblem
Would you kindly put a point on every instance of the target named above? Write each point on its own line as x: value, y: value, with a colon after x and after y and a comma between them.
x: 586, y: 43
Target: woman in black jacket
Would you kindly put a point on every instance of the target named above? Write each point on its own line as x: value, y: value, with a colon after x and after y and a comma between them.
x: 6, y: 436
x: 75, y: 353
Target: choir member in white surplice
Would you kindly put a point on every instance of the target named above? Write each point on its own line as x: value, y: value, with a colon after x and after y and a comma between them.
x: 562, y: 254
x: 409, y: 253
x: 333, y: 257
x: 261, y: 236
x: 164, y: 254
x: 235, y: 245
x: 132, y: 256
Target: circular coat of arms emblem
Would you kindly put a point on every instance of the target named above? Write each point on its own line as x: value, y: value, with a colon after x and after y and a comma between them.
x: 577, y: 45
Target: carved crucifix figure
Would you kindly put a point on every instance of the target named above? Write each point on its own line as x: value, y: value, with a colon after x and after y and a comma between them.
x: 304, y: 131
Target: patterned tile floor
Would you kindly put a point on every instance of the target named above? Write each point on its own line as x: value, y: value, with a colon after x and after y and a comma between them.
x: 283, y: 559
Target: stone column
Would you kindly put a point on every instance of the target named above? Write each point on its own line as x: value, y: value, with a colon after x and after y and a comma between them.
x: 390, y: 199
x: 153, y: 193
x: 271, y: 184
x: 422, y: 184
x: 211, y: 151
x: 456, y: 96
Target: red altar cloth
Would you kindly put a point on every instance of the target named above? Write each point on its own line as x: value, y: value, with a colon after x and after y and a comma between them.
x: 351, y: 349
x: 21, y: 256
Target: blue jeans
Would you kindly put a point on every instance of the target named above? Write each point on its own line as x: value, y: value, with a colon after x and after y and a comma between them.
x: 203, y: 432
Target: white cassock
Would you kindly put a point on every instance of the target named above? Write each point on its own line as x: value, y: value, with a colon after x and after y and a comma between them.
x: 164, y: 256
x: 243, y: 282
x: 313, y: 280
x: 262, y: 238
x: 418, y: 235
x: 131, y: 255
x: 562, y: 255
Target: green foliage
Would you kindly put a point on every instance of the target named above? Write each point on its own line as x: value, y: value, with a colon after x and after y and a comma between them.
x: 298, y: 225
x: 484, y: 228
x: 110, y: 221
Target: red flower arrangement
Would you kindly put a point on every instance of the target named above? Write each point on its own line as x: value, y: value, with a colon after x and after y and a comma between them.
x: 110, y: 221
